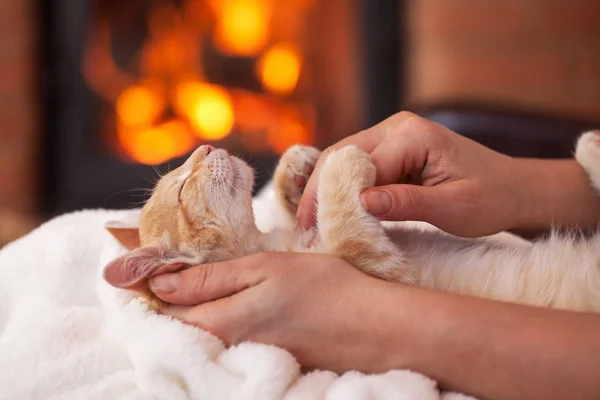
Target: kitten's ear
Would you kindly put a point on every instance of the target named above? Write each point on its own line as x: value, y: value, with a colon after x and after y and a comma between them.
x: 132, y: 269
x: 127, y: 235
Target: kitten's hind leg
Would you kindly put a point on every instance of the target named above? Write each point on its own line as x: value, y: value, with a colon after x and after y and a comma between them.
x: 292, y: 173
x: 588, y: 155
x: 346, y: 229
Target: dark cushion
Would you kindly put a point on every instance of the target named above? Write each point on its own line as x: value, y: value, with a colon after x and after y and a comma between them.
x: 513, y: 132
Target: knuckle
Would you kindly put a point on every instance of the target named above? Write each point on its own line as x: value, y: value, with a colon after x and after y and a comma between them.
x: 404, y: 115
x: 407, y: 122
x: 410, y: 199
x: 198, y: 281
x: 414, y: 121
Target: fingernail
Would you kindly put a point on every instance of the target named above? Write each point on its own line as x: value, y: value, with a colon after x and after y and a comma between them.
x: 164, y: 284
x: 376, y: 202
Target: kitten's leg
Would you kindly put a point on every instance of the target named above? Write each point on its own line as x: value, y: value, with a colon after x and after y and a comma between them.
x: 588, y: 155
x: 346, y: 229
x: 292, y: 173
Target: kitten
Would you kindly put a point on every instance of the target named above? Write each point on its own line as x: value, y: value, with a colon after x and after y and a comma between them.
x: 202, y: 212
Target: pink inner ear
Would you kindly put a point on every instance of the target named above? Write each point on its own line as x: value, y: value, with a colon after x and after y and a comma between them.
x: 131, y: 270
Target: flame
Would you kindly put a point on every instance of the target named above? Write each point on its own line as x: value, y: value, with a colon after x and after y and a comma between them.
x: 155, y: 145
x: 208, y: 107
x: 242, y: 27
x: 279, y: 69
x: 139, y: 105
x: 166, y: 78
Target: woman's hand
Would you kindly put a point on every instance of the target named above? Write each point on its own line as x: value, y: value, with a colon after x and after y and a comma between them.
x: 325, y: 312
x: 463, y: 187
x: 331, y: 316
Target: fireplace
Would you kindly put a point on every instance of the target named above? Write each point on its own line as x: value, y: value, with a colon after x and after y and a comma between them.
x: 133, y: 87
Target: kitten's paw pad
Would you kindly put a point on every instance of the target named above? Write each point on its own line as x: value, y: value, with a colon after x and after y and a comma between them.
x: 294, y: 169
x: 350, y: 164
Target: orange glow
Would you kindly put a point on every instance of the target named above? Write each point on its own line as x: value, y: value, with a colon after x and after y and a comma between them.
x: 157, y: 144
x: 242, y: 27
x: 163, y: 103
x: 254, y: 112
x: 139, y: 105
x: 290, y: 131
x: 184, y: 140
x: 279, y: 69
x: 208, y: 107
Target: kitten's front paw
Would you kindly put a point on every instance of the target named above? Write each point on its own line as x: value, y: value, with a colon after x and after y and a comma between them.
x: 588, y: 155
x: 295, y: 167
x: 349, y: 165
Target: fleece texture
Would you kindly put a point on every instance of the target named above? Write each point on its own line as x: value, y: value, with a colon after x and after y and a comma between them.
x: 66, y: 334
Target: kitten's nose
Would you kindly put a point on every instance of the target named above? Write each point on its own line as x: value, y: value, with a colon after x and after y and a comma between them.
x: 209, y: 148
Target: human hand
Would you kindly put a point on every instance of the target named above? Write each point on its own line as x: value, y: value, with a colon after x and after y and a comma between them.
x: 318, y: 307
x: 459, y: 180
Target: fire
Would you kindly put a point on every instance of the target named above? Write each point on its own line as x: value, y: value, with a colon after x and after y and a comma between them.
x: 242, y: 28
x: 208, y: 107
x: 155, y: 145
x: 139, y: 105
x: 279, y: 69
x: 164, y: 103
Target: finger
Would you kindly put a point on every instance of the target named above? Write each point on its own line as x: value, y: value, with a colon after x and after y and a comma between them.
x: 366, y: 140
x: 437, y: 205
x: 403, y: 202
x: 404, y: 152
x: 223, y: 318
x: 209, y: 281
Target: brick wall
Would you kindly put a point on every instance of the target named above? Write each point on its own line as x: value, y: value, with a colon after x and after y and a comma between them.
x: 536, y: 54
x: 19, y: 134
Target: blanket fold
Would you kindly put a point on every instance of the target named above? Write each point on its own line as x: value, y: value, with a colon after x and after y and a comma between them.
x: 66, y: 334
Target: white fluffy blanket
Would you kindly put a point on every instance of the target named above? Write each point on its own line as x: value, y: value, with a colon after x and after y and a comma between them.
x: 66, y: 334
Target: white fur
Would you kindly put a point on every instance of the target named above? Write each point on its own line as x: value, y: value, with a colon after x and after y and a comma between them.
x: 562, y: 271
x: 66, y: 334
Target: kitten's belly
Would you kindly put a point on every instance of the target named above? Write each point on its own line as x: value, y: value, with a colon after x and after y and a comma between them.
x: 502, y: 238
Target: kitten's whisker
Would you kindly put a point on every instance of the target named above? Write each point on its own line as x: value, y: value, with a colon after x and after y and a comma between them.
x: 158, y: 173
x: 144, y: 190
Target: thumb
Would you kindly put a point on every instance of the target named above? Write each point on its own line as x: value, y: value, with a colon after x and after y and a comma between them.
x: 208, y: 282
x: 399, y: 202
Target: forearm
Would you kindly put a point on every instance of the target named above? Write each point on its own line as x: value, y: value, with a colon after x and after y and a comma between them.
x: 554, y: 193
x: 497, y: 350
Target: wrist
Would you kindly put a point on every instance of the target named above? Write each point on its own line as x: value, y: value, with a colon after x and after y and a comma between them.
x: 390, y: 329
x: 553, y: 194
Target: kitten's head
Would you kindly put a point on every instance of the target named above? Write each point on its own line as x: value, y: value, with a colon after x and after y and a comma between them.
x: 199, y: 212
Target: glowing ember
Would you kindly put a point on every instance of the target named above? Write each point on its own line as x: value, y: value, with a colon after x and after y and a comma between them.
x: 208, y: 108
x: 157, y: 144
x: 139, y: 105
x: 279, y: 69
x: 167, y: 78
x: 242, y: 28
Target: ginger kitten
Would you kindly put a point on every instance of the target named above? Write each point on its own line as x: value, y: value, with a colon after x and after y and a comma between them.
x: 202, y: 212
